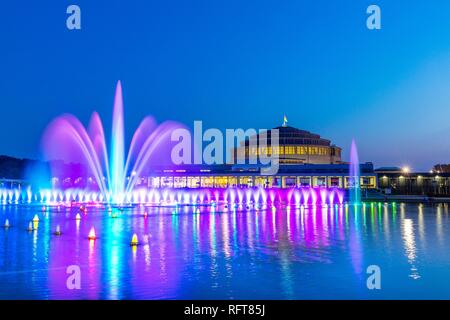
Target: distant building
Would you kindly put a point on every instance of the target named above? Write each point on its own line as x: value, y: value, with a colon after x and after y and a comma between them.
x: 441, y: 168
x: 295, y: 146
x: 393, y: 180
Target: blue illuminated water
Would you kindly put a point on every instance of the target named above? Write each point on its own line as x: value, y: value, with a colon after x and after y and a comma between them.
x: 295, y: 254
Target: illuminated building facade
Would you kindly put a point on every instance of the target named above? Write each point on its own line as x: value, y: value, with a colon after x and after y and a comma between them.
x: 396, y: 181
x: 247, y: 176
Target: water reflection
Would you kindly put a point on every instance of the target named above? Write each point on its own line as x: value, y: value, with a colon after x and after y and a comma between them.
x: 410, y: 246
x: 226, y: 253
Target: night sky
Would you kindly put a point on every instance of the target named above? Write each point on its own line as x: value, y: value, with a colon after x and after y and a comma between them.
x: 235, y: 64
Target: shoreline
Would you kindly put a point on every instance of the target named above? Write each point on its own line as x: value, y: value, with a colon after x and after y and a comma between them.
x: 408, y: 198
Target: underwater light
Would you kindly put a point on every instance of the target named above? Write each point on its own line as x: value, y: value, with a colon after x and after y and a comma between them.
x: 134, y: 240
x: 58, y: 231
x: 92, y: 235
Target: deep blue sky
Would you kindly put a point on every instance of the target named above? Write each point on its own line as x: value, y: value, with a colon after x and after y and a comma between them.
x: 235, y: 64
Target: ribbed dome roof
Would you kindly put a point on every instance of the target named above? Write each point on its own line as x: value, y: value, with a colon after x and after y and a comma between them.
x: 293, y: 136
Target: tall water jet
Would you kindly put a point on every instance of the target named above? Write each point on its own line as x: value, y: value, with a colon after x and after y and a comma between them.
x: 66, y: 139
x: 354, y: 175
x: 117, y: 148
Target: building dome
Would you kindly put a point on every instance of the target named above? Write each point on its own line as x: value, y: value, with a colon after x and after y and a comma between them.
x: 294, y: 146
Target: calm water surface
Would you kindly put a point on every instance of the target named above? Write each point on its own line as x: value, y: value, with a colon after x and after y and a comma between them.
x: 284, y: 254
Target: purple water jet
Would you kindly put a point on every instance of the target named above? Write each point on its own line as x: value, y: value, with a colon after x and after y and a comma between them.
x: 68, y: 140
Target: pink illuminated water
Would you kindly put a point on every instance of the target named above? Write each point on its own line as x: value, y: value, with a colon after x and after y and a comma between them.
x: 66, y: 139
x: 249, y: 198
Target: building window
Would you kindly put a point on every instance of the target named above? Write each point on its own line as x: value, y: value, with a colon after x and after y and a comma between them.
x: 335, y: 182
x: 207, y: 182
x: 193, y: 182
x: 154, y: 182
x: 220, y: 182
x: 167, y: 182
x: 289, y: 182
x: 179, y: 182
x: 305, y: 181
x: 320, y: 181
x: 232, y: 181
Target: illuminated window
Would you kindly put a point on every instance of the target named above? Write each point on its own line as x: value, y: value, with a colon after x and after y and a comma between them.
x: 232, y: 181
x: 167, y: 182
x: 305, y: 181
x: 320, y: 181
x: 220, y: 182
x: 289, y: 182
x: 180, y: 182
x: 207, y: 182
x: 154, y: 182
x: 193, y: 182
x: 261, y: 181
x: 246, y: 181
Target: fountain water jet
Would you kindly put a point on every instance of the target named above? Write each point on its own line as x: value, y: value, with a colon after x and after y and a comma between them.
x: 354, y: 175
x: 68, y: 140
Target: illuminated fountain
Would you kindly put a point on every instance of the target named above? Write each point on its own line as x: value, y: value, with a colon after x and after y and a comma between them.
x: 228, y: 198
x: 114, y: 176
x: 354, y: 175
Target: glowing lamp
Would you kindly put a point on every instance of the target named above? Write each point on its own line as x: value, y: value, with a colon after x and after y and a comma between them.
x: 92, y: 235
x: 36, y: 218
x: 134, y: 240
x: 6, y: 225
x: 58, y: 230
x: 30, y: 226
x: 145, y: 214
x: 78, y: 217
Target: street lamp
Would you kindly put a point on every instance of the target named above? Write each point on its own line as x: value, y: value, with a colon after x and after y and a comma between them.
x: 406, y: 171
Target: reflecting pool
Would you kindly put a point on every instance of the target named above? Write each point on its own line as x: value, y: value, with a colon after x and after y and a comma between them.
x: 220, y: 253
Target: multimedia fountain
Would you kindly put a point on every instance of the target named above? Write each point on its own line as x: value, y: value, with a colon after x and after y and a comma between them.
x: 133, y: 242
x: 115, y: 174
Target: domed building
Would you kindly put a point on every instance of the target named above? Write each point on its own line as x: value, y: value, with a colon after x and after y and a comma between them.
x: 306, y: 160
x: 295, y: 146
